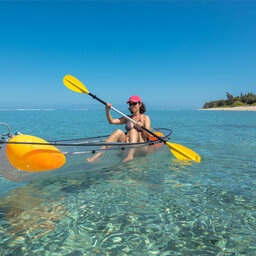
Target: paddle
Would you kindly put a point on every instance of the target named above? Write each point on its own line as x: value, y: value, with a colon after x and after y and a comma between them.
x: 179, y: 151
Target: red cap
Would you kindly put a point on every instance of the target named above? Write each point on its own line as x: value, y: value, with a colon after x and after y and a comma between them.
x: 134, y: 98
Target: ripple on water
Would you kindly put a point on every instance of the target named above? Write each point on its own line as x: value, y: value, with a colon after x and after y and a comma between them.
x: 155, y: 205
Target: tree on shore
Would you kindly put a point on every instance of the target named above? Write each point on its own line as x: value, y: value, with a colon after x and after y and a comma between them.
x: 233, y: 101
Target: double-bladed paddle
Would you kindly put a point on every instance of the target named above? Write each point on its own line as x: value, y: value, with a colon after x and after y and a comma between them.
x: 179, y: 151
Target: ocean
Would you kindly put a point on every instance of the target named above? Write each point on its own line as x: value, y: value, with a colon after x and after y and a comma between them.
x: 153, y: 205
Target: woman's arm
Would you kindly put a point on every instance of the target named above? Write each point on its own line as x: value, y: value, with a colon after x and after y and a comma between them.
x: 147, y: 125
x: 112, y: 120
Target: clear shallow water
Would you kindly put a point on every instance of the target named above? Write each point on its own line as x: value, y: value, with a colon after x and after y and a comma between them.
x: 154, y: 205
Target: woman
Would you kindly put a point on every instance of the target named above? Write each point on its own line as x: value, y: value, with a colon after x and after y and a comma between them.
x: 134, y: 133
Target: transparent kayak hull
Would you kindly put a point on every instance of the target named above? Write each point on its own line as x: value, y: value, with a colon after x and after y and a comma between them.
x: 77, y: 151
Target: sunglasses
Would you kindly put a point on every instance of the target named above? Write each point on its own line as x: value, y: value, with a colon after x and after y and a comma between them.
x: 133, y: 103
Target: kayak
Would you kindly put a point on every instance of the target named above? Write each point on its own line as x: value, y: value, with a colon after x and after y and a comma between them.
x: 27, y: 158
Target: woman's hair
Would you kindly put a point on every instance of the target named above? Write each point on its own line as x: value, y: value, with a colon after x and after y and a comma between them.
x: 142, y: 108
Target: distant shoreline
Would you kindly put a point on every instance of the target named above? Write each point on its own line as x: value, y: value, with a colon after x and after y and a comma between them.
x: 245, y: 108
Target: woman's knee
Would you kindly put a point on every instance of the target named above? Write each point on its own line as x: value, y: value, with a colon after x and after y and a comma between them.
x: 133, y: 131
x: 119, y: 132
x: 133, y: 135
x: 120, y: 135
x: 116, y: 136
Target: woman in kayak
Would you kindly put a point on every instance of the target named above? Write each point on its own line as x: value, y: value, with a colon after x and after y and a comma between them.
x: 134, y: 133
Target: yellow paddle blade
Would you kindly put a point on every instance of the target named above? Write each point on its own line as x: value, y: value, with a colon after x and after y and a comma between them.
x: 74, y: 84
x: 183, y: 153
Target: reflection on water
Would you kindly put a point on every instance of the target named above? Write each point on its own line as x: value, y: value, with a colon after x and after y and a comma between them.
x: 29, y: 214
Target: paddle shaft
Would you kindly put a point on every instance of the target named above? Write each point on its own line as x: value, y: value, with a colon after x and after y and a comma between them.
x: 127, y: 117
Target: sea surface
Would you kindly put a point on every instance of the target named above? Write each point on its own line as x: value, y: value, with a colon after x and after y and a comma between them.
x: 153, y: 205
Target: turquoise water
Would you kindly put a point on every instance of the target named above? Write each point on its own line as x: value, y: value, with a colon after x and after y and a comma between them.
x: 154, y: 205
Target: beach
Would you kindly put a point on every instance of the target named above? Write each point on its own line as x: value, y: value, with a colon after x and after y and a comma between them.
x: 245, y: 108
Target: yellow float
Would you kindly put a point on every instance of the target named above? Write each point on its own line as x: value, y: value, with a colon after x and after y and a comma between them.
x: 26, y: 155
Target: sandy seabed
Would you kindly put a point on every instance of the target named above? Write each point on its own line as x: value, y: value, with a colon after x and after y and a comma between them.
x: 247, y: 108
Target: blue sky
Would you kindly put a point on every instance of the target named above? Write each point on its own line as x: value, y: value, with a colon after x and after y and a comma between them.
x: 174, y: 54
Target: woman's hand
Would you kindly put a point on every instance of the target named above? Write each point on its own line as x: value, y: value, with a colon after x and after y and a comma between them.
x: 108, y: 106
x: 139, y: 124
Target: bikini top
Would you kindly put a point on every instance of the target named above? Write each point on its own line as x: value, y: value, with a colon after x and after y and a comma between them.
x: 128, y: 126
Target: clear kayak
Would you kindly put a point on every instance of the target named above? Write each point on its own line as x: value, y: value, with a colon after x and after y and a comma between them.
x: 26, y: 158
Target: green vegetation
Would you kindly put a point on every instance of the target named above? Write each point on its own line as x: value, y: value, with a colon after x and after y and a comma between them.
x: 231, y: 101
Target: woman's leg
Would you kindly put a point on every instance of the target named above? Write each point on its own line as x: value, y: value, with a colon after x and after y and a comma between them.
x: 116, y: 136
x: 133, y: 138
